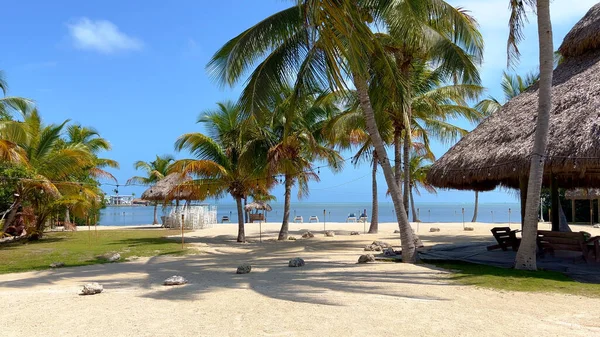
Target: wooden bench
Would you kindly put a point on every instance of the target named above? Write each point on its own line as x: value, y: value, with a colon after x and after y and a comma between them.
x: 505, y: 238
x: 549, y: 241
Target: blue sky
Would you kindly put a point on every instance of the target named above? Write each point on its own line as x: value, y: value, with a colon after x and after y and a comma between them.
x: 136, y: 72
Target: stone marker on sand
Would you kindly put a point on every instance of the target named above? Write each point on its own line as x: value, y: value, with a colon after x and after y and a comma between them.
x: 354, y: 233
x: 434, y: 229
x: 57, y: 264
x: 469, y: 229
x: 366, y: 258
x: 175, y: 281
x: 92, y: 289
x: 296, y: 262
x: 244, y: 269
x: 308, y: 235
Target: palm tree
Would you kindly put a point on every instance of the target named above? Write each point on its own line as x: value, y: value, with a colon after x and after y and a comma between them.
x: 227, y: 158
x: 526, y: 256
x: 155, y: 171
x: 418, y: 174
x: 325, y: 43
x: 8, y: 105
x: 294, y: 126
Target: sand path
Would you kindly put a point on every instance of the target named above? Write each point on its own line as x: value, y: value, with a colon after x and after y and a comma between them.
x: 330, y: 296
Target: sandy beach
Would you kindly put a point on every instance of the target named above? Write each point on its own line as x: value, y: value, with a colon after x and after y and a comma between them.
x: 330, y: 296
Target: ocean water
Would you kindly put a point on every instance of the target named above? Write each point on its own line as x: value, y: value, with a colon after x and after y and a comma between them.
x: 334, y: 212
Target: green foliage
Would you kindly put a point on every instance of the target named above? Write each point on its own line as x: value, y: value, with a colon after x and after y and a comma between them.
x: 10, y: 173
x: 517, y: 280
x: 85, y: 248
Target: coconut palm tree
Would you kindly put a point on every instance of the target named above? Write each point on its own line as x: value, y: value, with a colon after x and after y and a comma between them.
x: 526, y: 256
x: 227, y: 158
x: 294, y: 126
x: 324, y: 44
x: 11, y: 104
x: 155, y: 171
x: 418, y: 174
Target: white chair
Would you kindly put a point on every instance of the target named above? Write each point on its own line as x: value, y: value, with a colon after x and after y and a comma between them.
x: 299, y: 219
x: 351, y: 218
x: 363, y: 217
x: 313, y: 218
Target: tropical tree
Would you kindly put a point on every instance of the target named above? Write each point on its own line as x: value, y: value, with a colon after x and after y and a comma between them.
x: 526, y: 256
x: 326, y: 43
x: 294, y: 133
x: 228, y: 159
x: 418, y: 178
x: 155, y: 171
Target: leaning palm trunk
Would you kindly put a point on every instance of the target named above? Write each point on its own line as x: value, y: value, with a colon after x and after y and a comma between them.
x: 240, y: 210
x: 374, y: 228
x: 476, y: 206
x: 285, y: 224
x: 526, y: 256
x: 415, y: 216
x: 407, y: 236
x: 397, y: 160
x: 12, y: 213
x: 67, y: 216
x: 155, y: 218
x: 406, y: 159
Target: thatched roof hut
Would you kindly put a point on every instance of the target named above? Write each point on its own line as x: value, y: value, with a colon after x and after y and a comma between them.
x: 497, y: 152
x: 169, y: 188
x: 258, y: 205
x: 583, y: 194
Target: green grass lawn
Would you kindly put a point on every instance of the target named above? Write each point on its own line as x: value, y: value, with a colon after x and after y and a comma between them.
x: 518, y: 280
x: 85, y: 248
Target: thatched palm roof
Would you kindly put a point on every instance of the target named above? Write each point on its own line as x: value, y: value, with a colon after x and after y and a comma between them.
x: 497, y: 152
x: 583, y: 194
x: 258, y: 205
x: 167, y: 189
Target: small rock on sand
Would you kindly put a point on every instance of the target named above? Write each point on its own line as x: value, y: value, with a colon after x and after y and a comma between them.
x: 329, y: 233
x: 434, y: 229
x: 296, y: 262
x: 381, y: 244
x: 366, y: 258
x: 111, y: 257
x: 244, y: 269
x: 57, y: 264
x: 308, y: 235
x: 291, y: 238
x: 372, y: 248
x: 175, y: 281
x: 397, y: 231
x: 92, y: 289
x: 596, y: 225
x: 389, y: 252
x: 469, y: 229
x: 354, y: 233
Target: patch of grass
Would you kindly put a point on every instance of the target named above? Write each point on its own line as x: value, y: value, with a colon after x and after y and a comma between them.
x: 84, y: 248
x: 517, y: 280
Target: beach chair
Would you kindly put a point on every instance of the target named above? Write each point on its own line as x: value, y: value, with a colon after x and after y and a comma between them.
x: 225, y: 218
x: 313, y: 218
x: 549, y: 241
x: 298, y: 219
x: 351, y: 218
x: 363, y: 217
x: 505, y: 238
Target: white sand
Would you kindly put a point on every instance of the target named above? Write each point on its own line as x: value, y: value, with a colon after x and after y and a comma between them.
x: 330, y: 296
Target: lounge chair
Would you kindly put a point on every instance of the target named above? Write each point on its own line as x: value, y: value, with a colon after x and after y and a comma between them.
x: 299, y: 219
x: 505, y: 238
x: 351, y: 218
x: 363, y: 217
x: 224, y: 218
x: 313, y: 218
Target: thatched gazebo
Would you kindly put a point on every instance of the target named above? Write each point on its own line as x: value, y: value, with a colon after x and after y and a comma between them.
x: 168, y: 189
x: 497, y: 153
x: 258, y: 206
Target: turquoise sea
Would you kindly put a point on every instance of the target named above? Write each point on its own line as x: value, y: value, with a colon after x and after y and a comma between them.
x: 335, y: 212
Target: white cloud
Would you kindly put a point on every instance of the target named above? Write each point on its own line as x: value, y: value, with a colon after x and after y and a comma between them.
x: 102, y: 36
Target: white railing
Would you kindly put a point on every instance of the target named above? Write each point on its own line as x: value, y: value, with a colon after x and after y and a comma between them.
x: 195, y: 217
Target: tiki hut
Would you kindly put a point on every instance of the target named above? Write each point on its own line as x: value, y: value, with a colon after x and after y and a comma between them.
x: 497, y: 153
x: 170, y: 188
x: 258, y: 206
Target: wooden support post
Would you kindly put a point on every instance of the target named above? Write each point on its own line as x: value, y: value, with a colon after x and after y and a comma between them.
x: 523, y: 181
x: 591, y: 211
x: 555, y: 201
x: 573, y: 210
x: 598, y: 210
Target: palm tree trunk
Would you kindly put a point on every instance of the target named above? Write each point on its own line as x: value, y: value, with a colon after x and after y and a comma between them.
x: 374, y: 228
x: 406, y: 159
x: 397, y: 160
x: 476, y: 207
x: 412, y: 205
x: 245, y: 212
x: 285, y: 224
x: 67, y: 216
x: 526, y: 256
x: 155, y: 218
x: 407, y: 236
x: 240, y: 210
x: 10, y: 217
